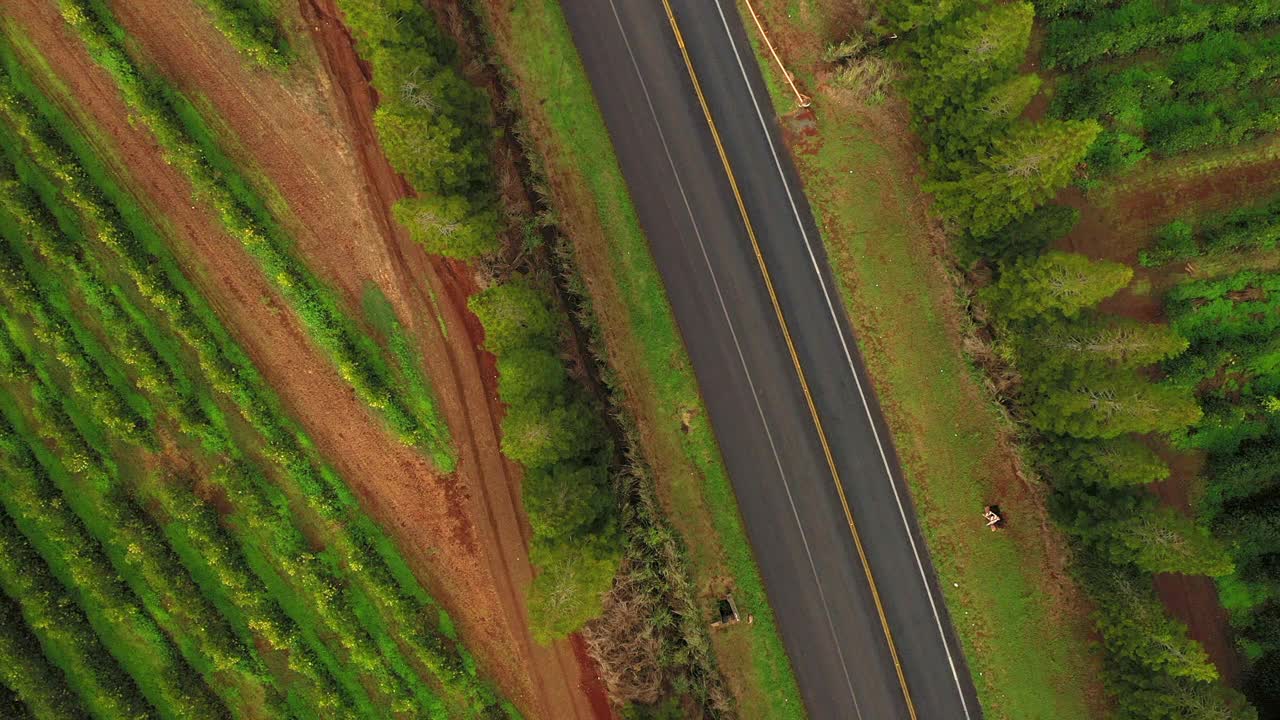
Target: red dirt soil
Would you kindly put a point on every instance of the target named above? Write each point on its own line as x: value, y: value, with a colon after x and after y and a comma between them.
x: 310, y: 135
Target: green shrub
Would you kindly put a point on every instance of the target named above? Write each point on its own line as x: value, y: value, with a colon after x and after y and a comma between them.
x: 251, y: 27
x: 449, y: 225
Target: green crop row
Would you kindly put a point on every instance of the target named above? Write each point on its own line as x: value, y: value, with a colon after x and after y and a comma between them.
x: 39, y: 686
x: 65, y: 633
x: 189, y: 146
x: 1256, y: 227
x: 135, y: 545
x: 135, y: 640
x: 1245, y: 305
x: 193, y: 524
x: 1133, y: 26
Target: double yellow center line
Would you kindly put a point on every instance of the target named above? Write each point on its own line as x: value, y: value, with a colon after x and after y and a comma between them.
x: 795, y: 358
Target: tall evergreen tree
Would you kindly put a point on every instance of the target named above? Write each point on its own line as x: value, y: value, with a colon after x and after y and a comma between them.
x: 956, y: 61
x: 1108, y: 406
x: 1055, y: 283
x: 1023, y: 170
x: 1162, y: 540
x: 1119, y: 462
x: 1136, y: 629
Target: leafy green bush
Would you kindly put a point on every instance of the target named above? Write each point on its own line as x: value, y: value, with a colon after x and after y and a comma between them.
x: 431, y: 124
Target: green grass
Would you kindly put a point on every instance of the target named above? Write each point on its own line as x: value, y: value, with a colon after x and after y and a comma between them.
x: 945, y: 424
x: 572, y: 137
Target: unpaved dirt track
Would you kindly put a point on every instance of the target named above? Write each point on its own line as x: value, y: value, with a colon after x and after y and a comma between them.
x: 309, y: 133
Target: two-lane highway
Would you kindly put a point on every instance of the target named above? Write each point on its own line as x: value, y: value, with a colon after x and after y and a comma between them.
x: 817, y: 481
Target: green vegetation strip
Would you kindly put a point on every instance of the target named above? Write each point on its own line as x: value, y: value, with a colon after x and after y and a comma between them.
x: 546, y: 68
x: 38, y: 685
x: 65, y: 632
x: 253, y: 28
x: 190, y: 145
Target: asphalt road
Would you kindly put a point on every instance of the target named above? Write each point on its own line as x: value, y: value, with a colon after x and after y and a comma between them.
x: 806, y: 448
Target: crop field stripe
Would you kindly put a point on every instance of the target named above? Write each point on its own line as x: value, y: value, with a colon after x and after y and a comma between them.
x: 65, y: 632
x: 310, y: 497
x: 143, y: 556
x: 24, y: 669
x: 81, y: 563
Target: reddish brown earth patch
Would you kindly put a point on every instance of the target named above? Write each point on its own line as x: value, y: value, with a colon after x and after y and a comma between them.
x: 309, y: 134
x: 1193, y: 599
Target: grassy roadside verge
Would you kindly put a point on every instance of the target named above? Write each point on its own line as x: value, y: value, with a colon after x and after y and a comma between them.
x: 645, y: 350
x: 1008, y: 593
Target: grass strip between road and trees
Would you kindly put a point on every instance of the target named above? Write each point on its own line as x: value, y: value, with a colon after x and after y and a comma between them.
x: 570, y: 140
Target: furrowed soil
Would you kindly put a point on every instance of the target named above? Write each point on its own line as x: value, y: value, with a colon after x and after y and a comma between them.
x: 306, y: 139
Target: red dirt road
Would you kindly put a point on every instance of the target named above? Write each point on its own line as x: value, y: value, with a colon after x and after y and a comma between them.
x: 308, y: 134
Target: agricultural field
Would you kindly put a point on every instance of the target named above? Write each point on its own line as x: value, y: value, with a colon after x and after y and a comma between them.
x: 1100, y: 179
x: 291, y: 402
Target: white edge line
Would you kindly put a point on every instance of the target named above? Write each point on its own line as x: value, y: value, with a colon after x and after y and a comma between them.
x: 738, y: 347
x: 848, y: 357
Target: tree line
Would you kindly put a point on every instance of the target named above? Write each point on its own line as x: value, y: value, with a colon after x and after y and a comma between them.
x: 1083, y: 387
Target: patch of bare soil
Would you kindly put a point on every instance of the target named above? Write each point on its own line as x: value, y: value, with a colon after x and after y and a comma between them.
x: 310, y: 136
x: 1193, y: 599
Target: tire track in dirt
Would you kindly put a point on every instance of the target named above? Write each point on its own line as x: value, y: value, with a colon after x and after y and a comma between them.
x: 339, y: 213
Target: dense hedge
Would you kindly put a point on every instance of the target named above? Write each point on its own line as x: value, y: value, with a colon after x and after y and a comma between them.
x: 431, y: 124
x: 553, y: 430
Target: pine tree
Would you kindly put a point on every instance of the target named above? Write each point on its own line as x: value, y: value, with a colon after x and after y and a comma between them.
x: 1056, y: 283
x: 1108, y: 406
x: 1136, y: 630
x: 1162, y: 540
x: 1119, y: 462
x: 1108, y: 340
x: 1024, y: 169
x: 960, y: 134
x: 954, y: 62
